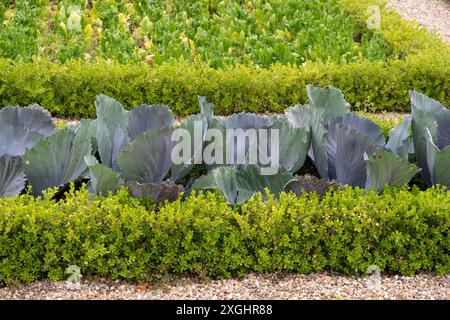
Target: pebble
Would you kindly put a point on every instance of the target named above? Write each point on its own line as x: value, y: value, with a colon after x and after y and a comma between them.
x: 431, y: 14
x: 253, y: 286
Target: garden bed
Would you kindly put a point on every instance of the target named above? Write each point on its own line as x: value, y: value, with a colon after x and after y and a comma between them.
x: 215, y: 33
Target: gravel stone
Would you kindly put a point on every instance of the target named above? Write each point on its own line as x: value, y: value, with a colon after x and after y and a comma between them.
x: 388, y: 116
x: 276, y: 286
x: 431, y: 14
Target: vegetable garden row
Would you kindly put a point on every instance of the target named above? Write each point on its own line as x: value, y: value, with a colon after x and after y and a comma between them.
x: 136, y: 148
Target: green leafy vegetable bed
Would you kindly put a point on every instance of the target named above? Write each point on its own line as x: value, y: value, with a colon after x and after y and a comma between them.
x: 215, y: 32
x: 401, y: 231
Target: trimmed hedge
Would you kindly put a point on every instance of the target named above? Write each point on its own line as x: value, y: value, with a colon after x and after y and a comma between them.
x: 68, y: 90
x: 402, y: 231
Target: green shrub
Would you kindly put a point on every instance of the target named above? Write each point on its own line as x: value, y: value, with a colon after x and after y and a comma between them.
x: 401, y: 231
x: 69, y: 90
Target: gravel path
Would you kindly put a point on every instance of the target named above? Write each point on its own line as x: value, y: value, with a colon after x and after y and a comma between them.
x: 387, y: 116
x: 432, y: 14
x: 253, y: 286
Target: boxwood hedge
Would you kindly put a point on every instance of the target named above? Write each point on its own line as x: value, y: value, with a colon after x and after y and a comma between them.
x: 118, y: 237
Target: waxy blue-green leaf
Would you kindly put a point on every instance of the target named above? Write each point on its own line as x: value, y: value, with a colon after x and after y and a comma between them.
x: 89, y: 127
x: 345, y: 150
x: 145, y: 117
x: 239, y: 185
x: 324, y: 105
x: 245, y: 121
x: 111, y: 130
x: 240, y: 136
x: 424, y: 103
x: 438, y: 163
x: 328, y: 102
x: 250, y: 180
x: 422, y: 123
x: 33, y: 118
x: 386, y: 168
x: 363, y: 125
x: 443, y: 129
x: 196, y: 126
x: 293, y: 144
x: 14, y: 141
x: 400, y: 142
x: 206, y: 108
x: 102, y: 179
x: 148, y: 158
x: 58, y: 159
x: 222, y: 179
x: 438, y: 112
x: 12, y: 176
x: 21, y: 128
x: 299, y: 116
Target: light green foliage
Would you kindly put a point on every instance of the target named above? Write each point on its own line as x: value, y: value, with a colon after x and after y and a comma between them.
x: 69, y: 90
x: 217, y: 33
x: 401, y: 231
x: 19, y: 29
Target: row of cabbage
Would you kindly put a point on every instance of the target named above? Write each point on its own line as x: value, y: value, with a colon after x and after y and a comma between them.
x: 134, y: 148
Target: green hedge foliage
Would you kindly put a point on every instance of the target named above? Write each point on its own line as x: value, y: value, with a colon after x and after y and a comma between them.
x: 118, y: 237
x: 68, y: 90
